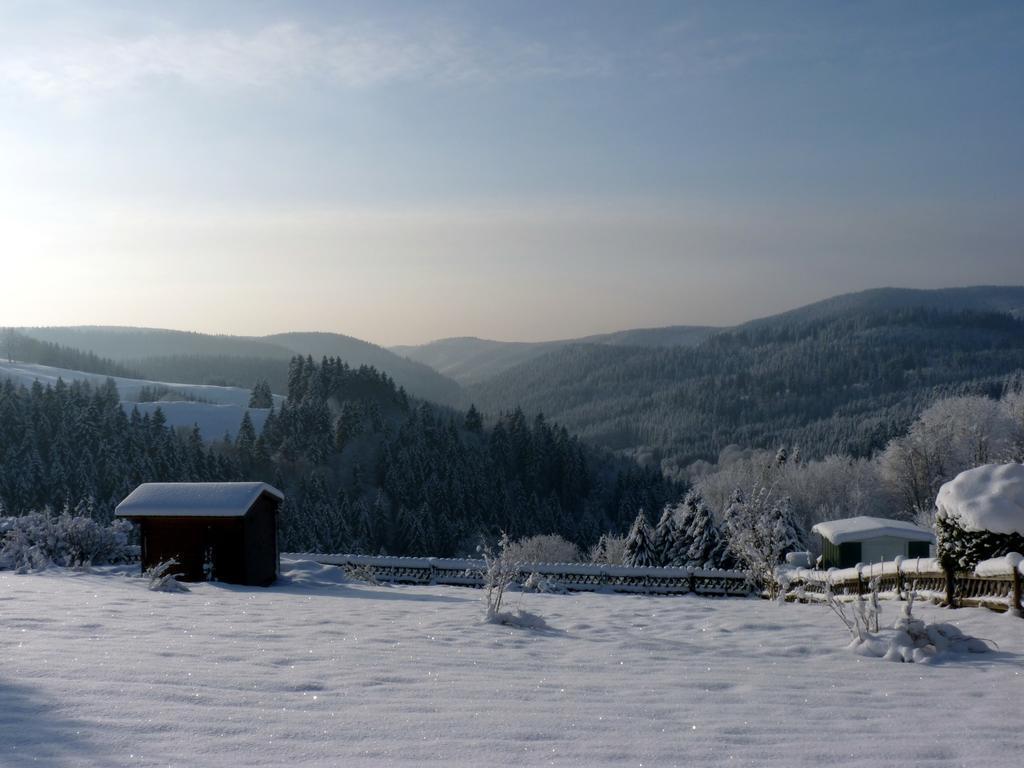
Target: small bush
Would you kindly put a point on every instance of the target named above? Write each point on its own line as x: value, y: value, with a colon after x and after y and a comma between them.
x: 162, y: 577
x: 609, y: 550
x: 36, y: 541
x: 547, y: 548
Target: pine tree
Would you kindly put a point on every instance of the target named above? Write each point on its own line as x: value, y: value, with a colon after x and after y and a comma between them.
x: 723, y: 555
x: 261, y: 396
x: 705, y: 539
x: 664, y: 534
x: 640, y: 544
x: 474, y: 421
x: 245, y: 443
x: 677, y: 548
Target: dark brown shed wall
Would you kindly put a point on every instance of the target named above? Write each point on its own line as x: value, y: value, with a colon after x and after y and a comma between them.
x: 243, y: 549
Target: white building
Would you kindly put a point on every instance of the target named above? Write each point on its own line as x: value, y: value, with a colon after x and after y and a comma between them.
x: 844, y: 543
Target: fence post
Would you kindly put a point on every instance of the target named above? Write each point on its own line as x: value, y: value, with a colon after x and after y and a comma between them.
x: 691, y: 582
x: 950, y: 587
x: 1015, y: 593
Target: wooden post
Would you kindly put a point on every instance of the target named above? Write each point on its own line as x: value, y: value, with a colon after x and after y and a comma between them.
x: 1015, y: 593
x: 950, y: 587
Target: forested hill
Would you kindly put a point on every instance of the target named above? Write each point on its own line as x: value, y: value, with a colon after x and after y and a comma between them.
x: 842, y: 380
x: 367, y: 469
x: 364, y: 467
x: 470, y: 360
x: 198, y: 358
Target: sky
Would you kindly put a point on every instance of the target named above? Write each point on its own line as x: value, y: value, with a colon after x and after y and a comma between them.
x: 402, y: 172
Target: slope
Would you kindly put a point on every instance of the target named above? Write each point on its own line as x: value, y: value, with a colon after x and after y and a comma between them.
x: 215, y: 410
x: 840, y: 376
x: 470, y: 360
x: 238, y: 360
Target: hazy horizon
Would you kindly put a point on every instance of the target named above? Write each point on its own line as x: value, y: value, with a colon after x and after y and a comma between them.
x: 402, y: 173
x: 243, y: 334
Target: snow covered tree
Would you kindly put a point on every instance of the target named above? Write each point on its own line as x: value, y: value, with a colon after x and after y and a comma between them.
x: 761, y: 532
x: 723, y: 555
x: 665, y: 534
x: 261, y: 396
x: 705, y: 539
x: 639, y: 549
x: 609, y: 550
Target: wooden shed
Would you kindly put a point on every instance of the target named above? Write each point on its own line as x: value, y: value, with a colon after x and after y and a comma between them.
x: 221, y: 531
x: 844, y: 543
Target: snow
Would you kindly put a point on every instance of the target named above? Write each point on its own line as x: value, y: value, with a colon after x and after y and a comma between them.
x: 213, y: 419
x: 863, y: 528
x: 99, y: 671
x: 906, y: 565
x: 986, y: 498
x: 1001, y: 566
x: 193, y: 499
x: 221, y: 412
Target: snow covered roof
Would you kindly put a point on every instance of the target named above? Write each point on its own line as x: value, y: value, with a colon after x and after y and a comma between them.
x: 194, y: 499
x: 986, y: 498
x: 863, y: 528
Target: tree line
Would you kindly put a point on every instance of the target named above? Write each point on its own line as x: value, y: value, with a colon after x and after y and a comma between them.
x: 365, y: 467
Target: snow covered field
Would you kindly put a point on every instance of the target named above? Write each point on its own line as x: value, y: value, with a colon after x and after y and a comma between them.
x: 221, y: 412
x: 95, y: 670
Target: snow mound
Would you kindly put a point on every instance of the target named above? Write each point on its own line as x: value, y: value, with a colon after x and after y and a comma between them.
x: 987, y: 498
x: 999, y: 566
x: 306, y: 573
x: 913, y: 641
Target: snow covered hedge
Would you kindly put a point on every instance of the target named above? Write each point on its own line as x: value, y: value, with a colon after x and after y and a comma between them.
x: 981, y: 515
x: 37, y: 540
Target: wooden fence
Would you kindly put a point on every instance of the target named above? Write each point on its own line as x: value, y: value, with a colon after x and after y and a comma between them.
x: 995, y: 584
x: 573, y: 577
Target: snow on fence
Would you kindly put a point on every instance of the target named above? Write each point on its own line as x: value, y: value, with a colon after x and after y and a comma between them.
x: 996, y: 583
x: 575, y: 577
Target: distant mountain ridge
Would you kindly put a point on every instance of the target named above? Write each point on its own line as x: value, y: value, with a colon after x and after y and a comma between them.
x: 839, y: 376
x: 224, y: 359
x: 1007, y: 299
x: 638, y: 375
x: 469, y: 360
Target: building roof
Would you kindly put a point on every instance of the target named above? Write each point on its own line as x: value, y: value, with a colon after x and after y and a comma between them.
x: 863, y: 528
x: 194, y: 499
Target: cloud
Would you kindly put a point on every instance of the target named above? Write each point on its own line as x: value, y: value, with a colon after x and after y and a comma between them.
x: 274, y: 56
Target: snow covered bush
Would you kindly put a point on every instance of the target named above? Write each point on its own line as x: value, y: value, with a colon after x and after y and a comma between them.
x: 609, y: 550
x: 538, y: 582
x: 37, y: 540
x: 500, y: 573
x: 980, y: 515
x: 544, y: 548
x: 910, y: 640
x: 761, y: 530
x: 162, y: 577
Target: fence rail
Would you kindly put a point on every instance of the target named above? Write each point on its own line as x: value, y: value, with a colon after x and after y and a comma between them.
x: 573, y: 577
x: 996, y: 583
